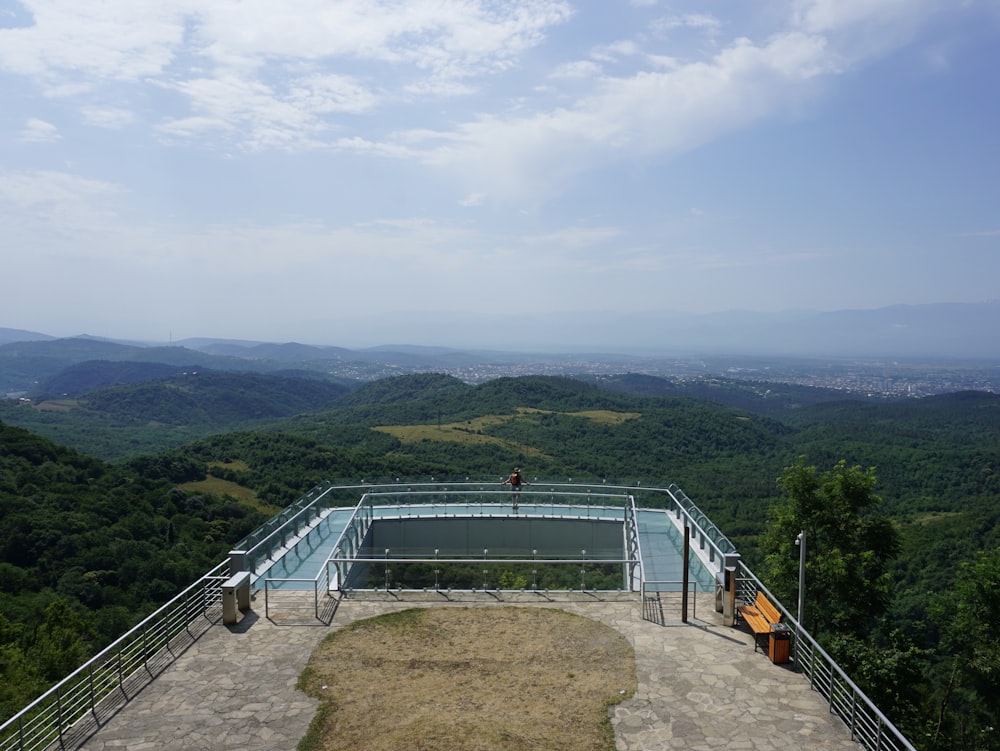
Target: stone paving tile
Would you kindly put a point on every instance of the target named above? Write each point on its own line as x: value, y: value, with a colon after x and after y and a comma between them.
x: 701, y: 685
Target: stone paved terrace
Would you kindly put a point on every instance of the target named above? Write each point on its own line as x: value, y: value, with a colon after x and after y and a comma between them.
x: 701, y: 685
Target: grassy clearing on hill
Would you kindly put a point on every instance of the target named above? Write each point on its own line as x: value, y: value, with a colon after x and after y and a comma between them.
x: 473, y: 431
x: 606, y: 416
x: 57, y: 405
x: 602, y: 416
x: 217, y: 486
x: 467, y: 432
x: 469, y: 679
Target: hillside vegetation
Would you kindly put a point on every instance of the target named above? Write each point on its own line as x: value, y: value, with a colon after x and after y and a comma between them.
x: 87, y: 550
x: 254, y: 443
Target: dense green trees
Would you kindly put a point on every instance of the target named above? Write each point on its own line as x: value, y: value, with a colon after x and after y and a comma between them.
x: 86, y: 550
x: 968, y: 665
x: 936, y: 676
x: 849, y: 548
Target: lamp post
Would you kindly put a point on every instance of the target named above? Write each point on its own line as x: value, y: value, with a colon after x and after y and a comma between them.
x: 800, y: 540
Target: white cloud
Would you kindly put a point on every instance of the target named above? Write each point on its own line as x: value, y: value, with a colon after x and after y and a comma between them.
x: 107, y: 117
x: 649, y: 114
x: 457, y: 37
x: 332, y: 93
x: 53, y: 204
x: 575, y: 238
x: 39, y: 131
x: 56, y: 203
x: 265, y: 118
x: 471, y: 200
x: 822, y: 16
x: 862, y: 29
x: 615, y: 51
x: 582, y: 69
x: 268, y: 69
x: 701, y: 21
x: 86, y: 43
x: 261, y: 75
x: 672, y: 106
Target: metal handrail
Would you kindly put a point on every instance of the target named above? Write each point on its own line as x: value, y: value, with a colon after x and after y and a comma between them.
x: 353, y: 534
x: 488, y: 562
x: 364, y: 510
x: 693, y: 582
x: 558, y: 493
x: 707, y: 531
x: 867, y: 724
x: 83, y: 701
x: 320, y: 582
x: 284, y: 526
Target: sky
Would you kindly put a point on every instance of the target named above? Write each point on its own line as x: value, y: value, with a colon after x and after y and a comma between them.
x: 330, y: 171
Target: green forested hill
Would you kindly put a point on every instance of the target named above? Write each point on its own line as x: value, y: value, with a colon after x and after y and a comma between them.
x: 115, y: 410
x: 79, y: 378
x: 423, y: 387
x: 119, y: 421
x: 87, y: 549
x: 774, y: 399
x: 214, y: 398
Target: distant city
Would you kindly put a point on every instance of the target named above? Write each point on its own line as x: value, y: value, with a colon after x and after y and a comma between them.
x: 869, y: 378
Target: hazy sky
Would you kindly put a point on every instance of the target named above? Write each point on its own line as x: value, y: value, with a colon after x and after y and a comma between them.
x: 284, y: 170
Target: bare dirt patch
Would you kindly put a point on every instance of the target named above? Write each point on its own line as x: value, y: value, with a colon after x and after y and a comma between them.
x: 469, y: 679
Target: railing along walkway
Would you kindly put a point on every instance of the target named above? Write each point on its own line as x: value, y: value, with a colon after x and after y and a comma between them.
x: 83, y: 701
x: 866, y: 722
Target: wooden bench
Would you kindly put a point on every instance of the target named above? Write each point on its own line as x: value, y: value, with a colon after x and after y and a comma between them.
x: 760, y: 617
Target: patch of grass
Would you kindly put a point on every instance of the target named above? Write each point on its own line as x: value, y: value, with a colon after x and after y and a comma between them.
x: 468, y: 432
x: 313, y: 739
x: 469, y: 679
x: 932, y: 517
x: 213, y: 485
x: 401, y: 619
x: 57, y: 405
x: 607, y: 416
x: 472, y: 431
x: 604, y: 416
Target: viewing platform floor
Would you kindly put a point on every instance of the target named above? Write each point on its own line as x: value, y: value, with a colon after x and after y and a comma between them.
x: 660, y: 540
x: 701, y: 685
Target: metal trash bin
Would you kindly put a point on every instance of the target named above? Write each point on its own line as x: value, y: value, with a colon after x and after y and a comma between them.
x: 779, y: 643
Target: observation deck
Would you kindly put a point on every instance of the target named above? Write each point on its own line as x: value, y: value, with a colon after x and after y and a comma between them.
x: 181, y: 680
x: 464, y: 525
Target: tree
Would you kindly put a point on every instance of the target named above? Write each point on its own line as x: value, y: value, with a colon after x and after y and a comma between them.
x: 970, y: 615
x: 59, y: 646
x: 849, y: 547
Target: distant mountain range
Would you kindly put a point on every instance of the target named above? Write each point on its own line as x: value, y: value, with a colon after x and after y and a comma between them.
x: 949, y: 330
x: 38, y: 365
x: 33, y: 362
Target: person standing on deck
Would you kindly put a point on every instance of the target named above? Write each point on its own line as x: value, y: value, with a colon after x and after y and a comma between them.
x: 515, y: 481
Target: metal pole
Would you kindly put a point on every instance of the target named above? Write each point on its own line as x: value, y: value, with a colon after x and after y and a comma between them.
x: 801, y: 542
x: 685, y: 574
